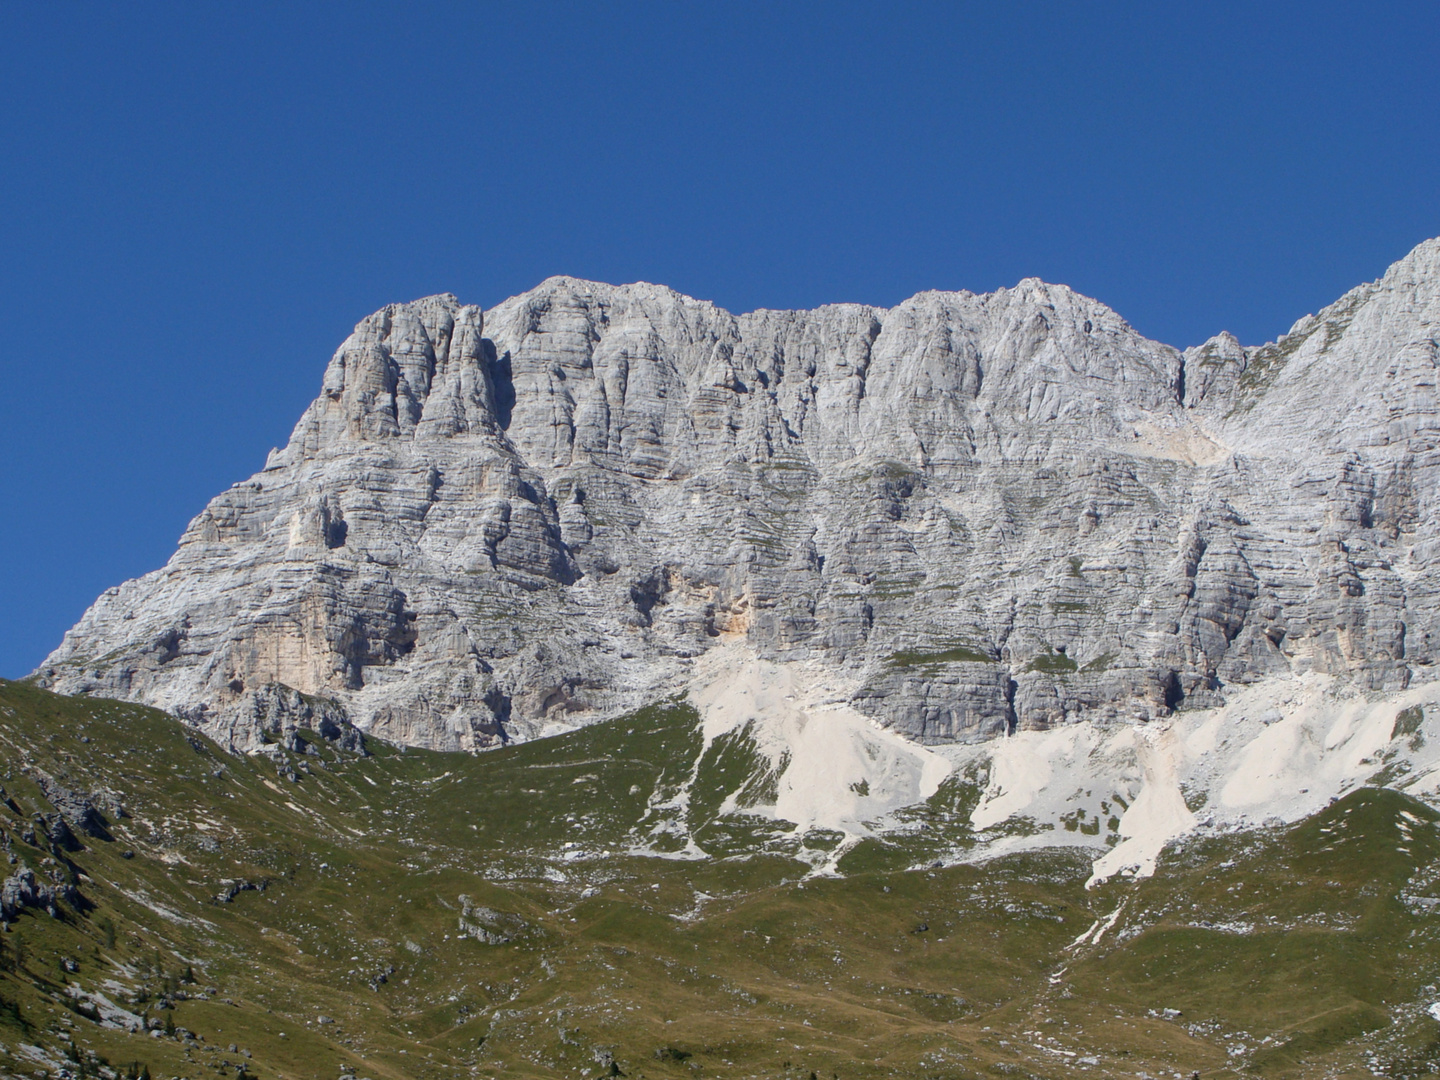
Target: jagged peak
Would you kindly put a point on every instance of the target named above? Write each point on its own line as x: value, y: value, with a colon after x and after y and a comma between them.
x: 444, y: 300
x: 1424, y: 258
x: 1420, y: 264
x: 1027, y: 290
x: 1222, y: 344
x: 584, y: 287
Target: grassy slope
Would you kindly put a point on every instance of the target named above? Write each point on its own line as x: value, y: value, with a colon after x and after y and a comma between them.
x: 1303, y: 952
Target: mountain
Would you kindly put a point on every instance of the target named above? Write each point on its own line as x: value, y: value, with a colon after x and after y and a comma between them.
x: 770, y: 582
x: 963, y: 516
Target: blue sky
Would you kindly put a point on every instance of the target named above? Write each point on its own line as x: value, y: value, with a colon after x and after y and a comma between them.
x: 198, y: 201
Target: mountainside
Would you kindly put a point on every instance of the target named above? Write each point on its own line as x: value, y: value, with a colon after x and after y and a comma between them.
x: 968, y: 514
x: 173, y: 910
x: 770, y: 581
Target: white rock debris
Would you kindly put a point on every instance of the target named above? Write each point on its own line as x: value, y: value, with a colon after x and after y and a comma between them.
x: 833, y: 767
x: 1276, y: 753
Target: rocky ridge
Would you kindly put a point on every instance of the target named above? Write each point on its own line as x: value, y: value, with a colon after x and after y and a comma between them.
x: 984, y: 513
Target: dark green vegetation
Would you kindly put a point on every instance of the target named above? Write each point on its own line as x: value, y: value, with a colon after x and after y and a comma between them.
x: 428, y: 915
x: 955, y: 654
x: 1053, y: 663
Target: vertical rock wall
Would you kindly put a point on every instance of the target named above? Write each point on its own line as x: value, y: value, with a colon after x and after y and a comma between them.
x: 994, y: 512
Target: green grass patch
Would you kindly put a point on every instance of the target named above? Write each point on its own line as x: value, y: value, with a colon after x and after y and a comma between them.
x: 1053, y: 663
x: 502, y: 915
x: 958, y: 653
x: 1099, y: 663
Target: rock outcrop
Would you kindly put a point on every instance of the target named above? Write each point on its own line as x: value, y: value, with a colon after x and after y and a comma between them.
x: 23, y: 890
x: 80, y: 810
x: 989, y: 512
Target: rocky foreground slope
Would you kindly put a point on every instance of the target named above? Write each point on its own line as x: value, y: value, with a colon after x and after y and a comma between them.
x: 978, y: 513
x: 430, y: 915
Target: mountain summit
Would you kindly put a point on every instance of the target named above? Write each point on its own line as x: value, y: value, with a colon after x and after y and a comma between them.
x: 971, y: 514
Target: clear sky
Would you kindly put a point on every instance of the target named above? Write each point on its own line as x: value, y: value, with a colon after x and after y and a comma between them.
x: 198, y: 201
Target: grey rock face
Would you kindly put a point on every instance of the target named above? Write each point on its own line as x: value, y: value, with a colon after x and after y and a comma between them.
x: 279, y: 712
x: 23, y: 890
x: 995, y: 511
x: 78, y: 809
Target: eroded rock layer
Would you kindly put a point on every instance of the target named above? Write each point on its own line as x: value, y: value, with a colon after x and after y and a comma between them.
x: 985, y: 512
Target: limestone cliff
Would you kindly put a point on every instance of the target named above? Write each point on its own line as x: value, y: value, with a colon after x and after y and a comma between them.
x: 984, y: 511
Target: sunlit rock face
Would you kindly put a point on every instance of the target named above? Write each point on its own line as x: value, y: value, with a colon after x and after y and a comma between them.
x: 983, y: 513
